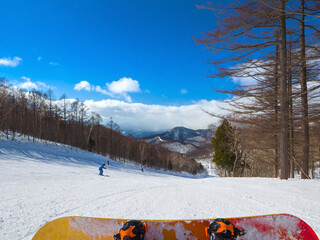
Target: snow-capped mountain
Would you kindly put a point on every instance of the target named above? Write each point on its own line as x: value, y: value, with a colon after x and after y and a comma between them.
x: 183, y: 134
x: 186, y: 141
x: 177, y: 133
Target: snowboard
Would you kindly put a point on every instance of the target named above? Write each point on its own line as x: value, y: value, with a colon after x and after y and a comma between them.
x: 266, y: 227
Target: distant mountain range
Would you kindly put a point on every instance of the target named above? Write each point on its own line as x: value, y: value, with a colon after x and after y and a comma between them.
x: 192, y: 143
x: 140, y: 133
x: 177, y: 133
x: 182, y: 134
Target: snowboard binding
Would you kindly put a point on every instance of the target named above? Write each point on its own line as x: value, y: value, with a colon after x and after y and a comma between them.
x: 223, y: 229
x: 132, y: 230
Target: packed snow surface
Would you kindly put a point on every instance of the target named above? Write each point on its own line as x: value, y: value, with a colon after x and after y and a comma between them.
x: 40, y: 182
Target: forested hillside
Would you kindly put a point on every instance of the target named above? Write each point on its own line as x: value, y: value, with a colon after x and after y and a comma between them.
x: 37, y: 115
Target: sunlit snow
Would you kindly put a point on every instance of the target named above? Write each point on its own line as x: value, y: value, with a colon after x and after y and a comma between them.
x: 41, y: 181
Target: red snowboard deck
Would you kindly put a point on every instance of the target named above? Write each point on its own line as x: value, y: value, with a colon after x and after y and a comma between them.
x: 267, y: 227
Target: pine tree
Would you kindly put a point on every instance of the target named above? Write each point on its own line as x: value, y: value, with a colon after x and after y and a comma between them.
x: 224, y: 157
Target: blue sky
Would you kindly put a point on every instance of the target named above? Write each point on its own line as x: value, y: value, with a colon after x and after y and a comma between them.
x: 130, y: 52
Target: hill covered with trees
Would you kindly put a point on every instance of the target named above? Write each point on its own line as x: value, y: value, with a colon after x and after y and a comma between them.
x: 38, y: 115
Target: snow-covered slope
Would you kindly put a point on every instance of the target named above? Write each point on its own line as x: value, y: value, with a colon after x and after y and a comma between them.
x: 40, y: 182
x: 179, y: 147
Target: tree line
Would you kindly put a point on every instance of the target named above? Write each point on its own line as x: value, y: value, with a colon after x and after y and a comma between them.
x: 272, y: 48
x: 38, y: 116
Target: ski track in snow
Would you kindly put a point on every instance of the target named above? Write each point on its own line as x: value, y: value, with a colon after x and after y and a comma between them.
x: 40, y: 182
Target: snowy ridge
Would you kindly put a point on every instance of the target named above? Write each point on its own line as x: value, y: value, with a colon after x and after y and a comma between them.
x: 40, y: 182
x: 155, y: 140
x: 183, y: 140
x: 179, y: 147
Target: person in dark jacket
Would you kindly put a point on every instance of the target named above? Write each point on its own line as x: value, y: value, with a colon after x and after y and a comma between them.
x: 103, y: 166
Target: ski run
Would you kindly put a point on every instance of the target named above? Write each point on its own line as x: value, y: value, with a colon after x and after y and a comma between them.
x: 42, y: 181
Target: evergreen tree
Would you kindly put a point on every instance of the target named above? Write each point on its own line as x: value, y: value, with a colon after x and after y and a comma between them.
x: 224, y: 157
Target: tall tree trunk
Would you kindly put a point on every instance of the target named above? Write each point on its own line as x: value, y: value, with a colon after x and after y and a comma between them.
x: 291, y: 132
x: 276, y: 113
x: 304, y: 99
x: 284, y: 110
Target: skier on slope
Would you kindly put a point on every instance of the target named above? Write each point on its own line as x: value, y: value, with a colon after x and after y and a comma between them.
x: 103, y: 166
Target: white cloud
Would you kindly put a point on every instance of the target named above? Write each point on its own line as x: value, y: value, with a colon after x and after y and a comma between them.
x: 28, y: 85
x: 54, y: 63
x: 156, y: 117
x: 116, y: 89
x: 8, y: 62
x: 83, y: 85
x: 184, y: 91
x: 26, y: 78
x: 43, y: 85
x: 249, y: 73
x: 103, y: 91
x: 245, y: 80
x: 39, y: 58
x: 127, y: 98
x: 124, y: 85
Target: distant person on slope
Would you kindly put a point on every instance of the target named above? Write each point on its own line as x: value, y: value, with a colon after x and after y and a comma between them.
x: 103, y: 166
